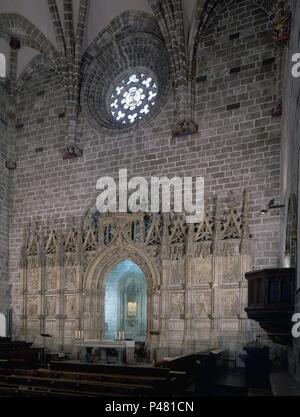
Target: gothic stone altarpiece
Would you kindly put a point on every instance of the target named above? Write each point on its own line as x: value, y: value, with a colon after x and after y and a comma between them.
x: 195, y: 273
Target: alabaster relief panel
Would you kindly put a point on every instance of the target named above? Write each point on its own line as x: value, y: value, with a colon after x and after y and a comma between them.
x: 70, y: 306
x: 33, y: 274
x: 51, y: 273
x: 50, y: 307
x: 70, y: 271
x: 201, y: 304
x: 176, y: 272
x: 176, y: 304
x: 203, y: 270
x: 32, y: 306
x: 230, y: 304
x: 231, y: 269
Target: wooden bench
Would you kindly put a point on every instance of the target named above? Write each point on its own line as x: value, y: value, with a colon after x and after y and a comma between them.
x: 12, y: 390
x: 100, y: 384
x: 96, y: 388
x: 19, y: 351
x: 104, y: 377
x: 163, y: 380
x: 97, y: 380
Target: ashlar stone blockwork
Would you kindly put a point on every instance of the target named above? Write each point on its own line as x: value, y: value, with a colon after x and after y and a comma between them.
x: 4, y: 197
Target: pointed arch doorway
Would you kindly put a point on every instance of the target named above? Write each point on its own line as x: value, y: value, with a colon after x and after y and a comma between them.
x: 125, y: 302
x: 94, y: 321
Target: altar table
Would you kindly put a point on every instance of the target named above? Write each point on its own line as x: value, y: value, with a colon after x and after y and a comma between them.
x: 124, y: 348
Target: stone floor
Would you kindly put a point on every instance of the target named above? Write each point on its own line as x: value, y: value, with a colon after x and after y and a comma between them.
x: 283, y: 384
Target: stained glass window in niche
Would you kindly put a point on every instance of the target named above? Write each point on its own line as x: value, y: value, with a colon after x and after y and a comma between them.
x: 133, y: 97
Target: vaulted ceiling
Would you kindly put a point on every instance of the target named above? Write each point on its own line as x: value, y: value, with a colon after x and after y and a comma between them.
x: 100, y: 14
x: 88, y: 41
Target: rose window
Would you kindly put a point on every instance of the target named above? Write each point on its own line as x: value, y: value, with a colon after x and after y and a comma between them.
x: 133, y: 97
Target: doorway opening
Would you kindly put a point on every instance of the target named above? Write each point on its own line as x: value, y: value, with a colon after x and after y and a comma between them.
x: 125, y: 302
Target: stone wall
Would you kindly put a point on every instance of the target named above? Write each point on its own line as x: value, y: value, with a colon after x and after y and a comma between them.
x: 4, y: 201
x: 238, y: 81
x: 237, y: 147
x: 290, y: 149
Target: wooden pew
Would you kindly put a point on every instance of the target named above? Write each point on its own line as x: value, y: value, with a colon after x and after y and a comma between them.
x: 19, y: 352
x: 202, y: 369
x: 103, y: 377
x: 95, y: 388
x: 97, y: 385
x: 12, y: 390
x: 163, y: 380
x: 95, y: 380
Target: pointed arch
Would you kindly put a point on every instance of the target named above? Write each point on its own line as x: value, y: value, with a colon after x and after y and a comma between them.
x: 110, y: 256
x: 130, y: 21
x: 32, y: 36
x: 206, y: 10
x: 96, y: 276
x: 38, y: 62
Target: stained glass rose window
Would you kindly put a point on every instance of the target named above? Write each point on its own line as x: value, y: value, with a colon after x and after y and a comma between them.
x: 133, y: 97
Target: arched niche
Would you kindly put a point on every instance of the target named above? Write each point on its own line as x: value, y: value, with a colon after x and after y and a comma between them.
x: 95, y: 280
x: 125, y: 302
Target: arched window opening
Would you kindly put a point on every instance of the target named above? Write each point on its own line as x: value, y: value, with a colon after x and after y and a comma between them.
x: 2, y: 65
